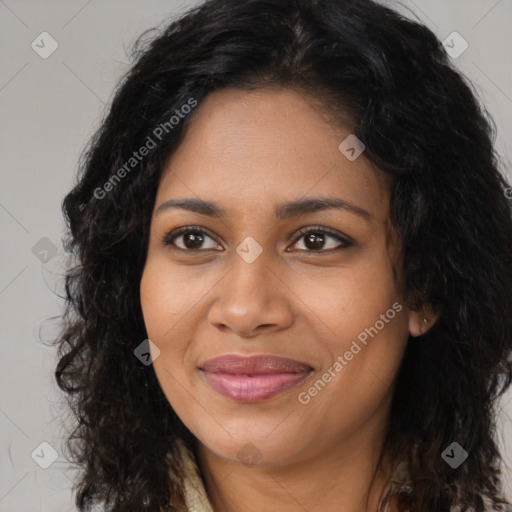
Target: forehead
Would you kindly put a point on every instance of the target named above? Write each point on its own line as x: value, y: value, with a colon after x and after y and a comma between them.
x: 266, y: 146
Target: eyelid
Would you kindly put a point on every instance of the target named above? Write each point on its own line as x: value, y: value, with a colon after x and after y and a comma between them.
x: 345, y: 241
x: 175, y: 233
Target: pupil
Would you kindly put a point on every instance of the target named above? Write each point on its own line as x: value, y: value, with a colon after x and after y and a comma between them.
x: 192, y: 238
x: 315, y: 240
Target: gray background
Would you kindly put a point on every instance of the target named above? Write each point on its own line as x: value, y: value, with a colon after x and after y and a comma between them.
x: 49, y: 109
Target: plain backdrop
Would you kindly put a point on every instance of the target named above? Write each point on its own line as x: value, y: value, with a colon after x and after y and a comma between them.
x: 50, y: 107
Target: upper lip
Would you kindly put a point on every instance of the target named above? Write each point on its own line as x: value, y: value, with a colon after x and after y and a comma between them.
x: 254, y: 365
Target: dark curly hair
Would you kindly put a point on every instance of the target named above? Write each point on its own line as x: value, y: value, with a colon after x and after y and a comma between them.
x: 389, y: 79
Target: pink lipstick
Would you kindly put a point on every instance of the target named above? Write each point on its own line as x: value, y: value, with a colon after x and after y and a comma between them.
x: 254, y: 378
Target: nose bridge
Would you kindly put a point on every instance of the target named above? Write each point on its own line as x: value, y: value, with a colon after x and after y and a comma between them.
x: 250, y: 276
x: 250, y: 295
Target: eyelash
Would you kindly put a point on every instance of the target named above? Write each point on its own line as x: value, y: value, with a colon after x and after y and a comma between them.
x: 169, y: 238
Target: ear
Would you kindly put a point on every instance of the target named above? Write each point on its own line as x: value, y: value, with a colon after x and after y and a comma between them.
x: 421, y: 321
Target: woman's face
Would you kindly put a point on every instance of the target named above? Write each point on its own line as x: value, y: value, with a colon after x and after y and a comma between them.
x: 244, y: 282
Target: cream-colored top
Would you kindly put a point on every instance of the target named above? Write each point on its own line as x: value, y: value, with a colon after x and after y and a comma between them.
x: 197, y: 499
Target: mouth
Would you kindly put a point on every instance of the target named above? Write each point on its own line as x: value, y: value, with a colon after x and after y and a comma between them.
x: 254, y: 378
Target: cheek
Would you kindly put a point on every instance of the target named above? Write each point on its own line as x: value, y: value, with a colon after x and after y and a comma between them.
x: 351, y: 298
x: 154, y: 300
x: 171, y: 304
x: 162, y: 309
x: 361, y: 315
x: 372, y: 287
x: 379, y: 325
x: 167, y: 297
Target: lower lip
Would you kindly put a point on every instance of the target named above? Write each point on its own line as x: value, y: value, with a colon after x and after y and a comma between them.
x: 242, y: 388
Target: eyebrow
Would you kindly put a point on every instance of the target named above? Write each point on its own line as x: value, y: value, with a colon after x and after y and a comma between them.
x: 282, y: 211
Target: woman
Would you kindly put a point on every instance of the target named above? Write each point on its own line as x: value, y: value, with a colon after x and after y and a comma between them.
x: 293, y: 281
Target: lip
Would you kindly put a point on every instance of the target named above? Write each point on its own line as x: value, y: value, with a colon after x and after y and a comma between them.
x: 253, y: 378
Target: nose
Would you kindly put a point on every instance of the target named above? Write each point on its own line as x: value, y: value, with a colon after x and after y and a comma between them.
x: 251, y: 298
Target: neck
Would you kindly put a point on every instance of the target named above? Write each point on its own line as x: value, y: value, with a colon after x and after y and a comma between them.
x: 347, y: 478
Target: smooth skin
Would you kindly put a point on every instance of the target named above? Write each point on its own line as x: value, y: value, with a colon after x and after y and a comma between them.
x: 249, y: 151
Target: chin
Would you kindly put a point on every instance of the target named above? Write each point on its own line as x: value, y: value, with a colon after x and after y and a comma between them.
x: 258, y: 449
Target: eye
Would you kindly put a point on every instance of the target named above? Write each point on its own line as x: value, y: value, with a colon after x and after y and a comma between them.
x: 192, y: 238
x: 315, y: 240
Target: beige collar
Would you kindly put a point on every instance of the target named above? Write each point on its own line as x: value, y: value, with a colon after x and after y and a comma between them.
x: 197, y: 499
